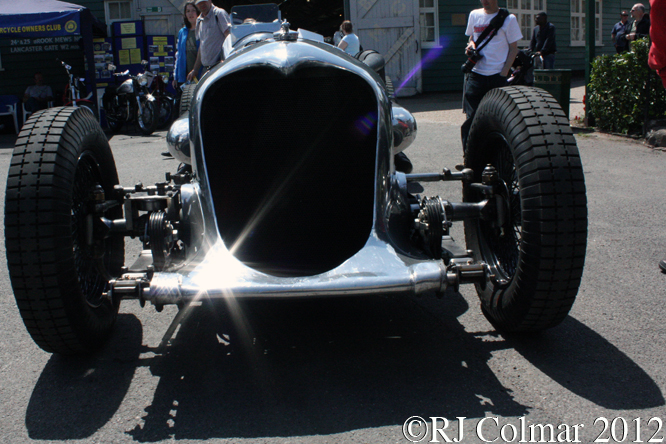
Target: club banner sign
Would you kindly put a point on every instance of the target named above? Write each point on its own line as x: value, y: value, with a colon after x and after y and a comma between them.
x: 50, y: 24
x: 42, y: 44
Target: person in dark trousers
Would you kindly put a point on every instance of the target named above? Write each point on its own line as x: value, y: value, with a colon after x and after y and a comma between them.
x: 543, y: 40
x: 641, y: 26
x: 620, y: 30
x: 497, y: 56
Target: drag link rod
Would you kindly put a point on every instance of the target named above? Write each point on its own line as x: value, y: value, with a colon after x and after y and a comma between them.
x: 446, y: 175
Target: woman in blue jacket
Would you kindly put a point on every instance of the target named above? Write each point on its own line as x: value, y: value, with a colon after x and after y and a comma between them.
x: 186, y: 46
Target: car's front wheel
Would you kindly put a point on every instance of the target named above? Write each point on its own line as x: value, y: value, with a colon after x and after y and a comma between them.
x: 536, y: 256
x: 59, y: 266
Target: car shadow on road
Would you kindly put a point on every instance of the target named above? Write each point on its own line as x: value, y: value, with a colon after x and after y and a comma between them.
x: 582, y: 361
x: 588, y: 365
x: 311, y: 367
x: 76, y: 396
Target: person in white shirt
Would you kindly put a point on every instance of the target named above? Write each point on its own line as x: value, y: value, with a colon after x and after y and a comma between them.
x: 349, y: 42
x: 497, y: 56
x: 37, y: 96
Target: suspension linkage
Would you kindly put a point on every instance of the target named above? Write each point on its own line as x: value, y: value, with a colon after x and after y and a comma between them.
x: 466, y: 175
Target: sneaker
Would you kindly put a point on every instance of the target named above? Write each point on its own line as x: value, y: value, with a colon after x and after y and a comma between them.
x: 662, y: 265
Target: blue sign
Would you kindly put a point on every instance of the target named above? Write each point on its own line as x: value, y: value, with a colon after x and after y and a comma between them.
x: 47, y: 24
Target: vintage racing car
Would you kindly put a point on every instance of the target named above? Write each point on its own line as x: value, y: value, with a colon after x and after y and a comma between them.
x: 288, y: 188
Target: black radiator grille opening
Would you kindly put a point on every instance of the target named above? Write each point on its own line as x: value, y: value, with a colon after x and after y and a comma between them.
x: 291, y: 165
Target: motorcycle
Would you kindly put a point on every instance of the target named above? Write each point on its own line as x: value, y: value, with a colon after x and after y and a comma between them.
x: 131, y: 102
x: 72, y: 94
x: 165, y: 101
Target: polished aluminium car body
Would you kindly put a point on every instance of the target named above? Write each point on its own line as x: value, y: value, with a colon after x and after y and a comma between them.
x: 381, y: 261
x: 289, y: 186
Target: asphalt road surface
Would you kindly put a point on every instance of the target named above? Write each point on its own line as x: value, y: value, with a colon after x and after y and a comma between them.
x: 354, y: 370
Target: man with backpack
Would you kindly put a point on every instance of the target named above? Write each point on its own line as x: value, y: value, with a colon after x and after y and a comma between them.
x: 491, y: 50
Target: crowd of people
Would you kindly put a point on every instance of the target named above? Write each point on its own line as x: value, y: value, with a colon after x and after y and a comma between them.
x: 493, y: 53
x: 200, y: 40
x: 493, y: 46
x: 212, y: 27
x: 624, y: 32
x: 205, y: 27
x: 199, y: 47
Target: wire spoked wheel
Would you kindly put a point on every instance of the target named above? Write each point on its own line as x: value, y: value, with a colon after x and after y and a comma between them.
x: 90, y: 261
x: 536, y: 255
x: 59, y: 262
x: 501, y: 244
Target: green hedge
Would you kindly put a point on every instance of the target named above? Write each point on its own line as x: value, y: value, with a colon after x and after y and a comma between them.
x: 617, y: 89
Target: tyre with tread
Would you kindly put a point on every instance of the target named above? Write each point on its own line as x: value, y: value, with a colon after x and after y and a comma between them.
x: 186, y: 98
x: 536, y: 258
x: 61, y: 162
x: 389, y: 88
